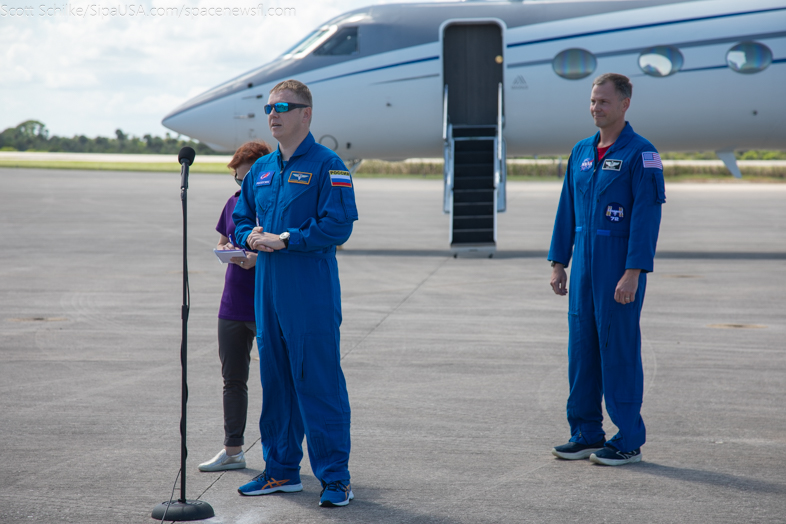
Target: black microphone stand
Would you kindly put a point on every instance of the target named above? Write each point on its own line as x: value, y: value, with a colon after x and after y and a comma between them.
x: 184, y: 509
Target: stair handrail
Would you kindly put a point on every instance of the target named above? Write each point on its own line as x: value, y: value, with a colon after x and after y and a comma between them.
x: 500, y: 166
x: 447, y: 153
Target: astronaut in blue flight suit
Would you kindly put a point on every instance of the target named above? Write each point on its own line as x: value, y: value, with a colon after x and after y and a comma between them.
x: 295, y: 206
x: 608, y: 219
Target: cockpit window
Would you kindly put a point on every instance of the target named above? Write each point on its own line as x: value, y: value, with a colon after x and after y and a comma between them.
x: 308, y: 42
x: 344, y: 42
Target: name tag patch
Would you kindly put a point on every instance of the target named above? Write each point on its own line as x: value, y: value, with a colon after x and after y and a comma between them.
x: 296, y: 177
x: 265, y: 178
x: 611, y: 164
x: 340, y: 179
x: 586, y: 165
x: 615, y: 212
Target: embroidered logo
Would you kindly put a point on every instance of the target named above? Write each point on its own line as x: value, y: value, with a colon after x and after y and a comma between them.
x: 586, y: 165
x: 615, y: 212
x: 651, y: 160
x: 296, y: 177
x: 265, y: 178
x: 611, y: 164
x: 340, y: 179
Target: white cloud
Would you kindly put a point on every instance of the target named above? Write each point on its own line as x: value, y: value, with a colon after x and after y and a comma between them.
x: 94, y: 74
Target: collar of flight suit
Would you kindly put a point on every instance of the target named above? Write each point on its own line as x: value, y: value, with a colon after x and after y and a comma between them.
x: 623, y: 140
x: 301, y: 150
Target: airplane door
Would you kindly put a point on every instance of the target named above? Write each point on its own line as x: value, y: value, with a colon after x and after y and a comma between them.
x: 474, y: 168
x: 472, y: 68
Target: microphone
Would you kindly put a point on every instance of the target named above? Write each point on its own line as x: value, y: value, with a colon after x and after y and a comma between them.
x: 185, y: 158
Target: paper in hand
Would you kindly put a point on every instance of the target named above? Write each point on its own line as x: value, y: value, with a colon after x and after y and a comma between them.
x: 224, y: 255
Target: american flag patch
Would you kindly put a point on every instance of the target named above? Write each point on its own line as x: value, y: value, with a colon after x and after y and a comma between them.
x: 651, y: 160
x: 340, y: 179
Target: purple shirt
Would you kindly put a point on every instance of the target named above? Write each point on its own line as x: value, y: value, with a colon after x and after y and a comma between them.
x: 237, y: 302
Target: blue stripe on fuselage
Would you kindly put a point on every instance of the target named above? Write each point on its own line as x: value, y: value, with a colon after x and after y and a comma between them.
x: 376, y: 69
x: 643, y: 26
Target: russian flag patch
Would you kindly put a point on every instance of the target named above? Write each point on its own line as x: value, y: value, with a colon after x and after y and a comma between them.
x: 651, y: 160
x: 340, y: 179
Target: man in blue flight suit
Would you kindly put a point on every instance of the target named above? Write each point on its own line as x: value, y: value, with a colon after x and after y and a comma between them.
x: 608, y: 219
x: 295, y: 206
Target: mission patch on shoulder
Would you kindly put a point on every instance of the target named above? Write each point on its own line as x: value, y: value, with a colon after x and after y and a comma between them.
x: 297, y: 177
x: 340, y: 178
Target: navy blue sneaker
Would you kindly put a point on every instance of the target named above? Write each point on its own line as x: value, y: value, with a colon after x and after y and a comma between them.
x: 577, y: 450
x: 609, y: 456
x: 263, y: 484
x: 336, y: 493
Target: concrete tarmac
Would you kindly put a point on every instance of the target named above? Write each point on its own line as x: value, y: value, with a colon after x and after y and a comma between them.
x: 456, y: 368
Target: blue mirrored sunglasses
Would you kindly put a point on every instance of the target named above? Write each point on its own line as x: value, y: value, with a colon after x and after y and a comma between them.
x: 283, y: 107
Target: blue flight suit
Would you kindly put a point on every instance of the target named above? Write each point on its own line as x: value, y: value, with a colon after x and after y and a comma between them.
x: 608, y: 217
x: 298, y: 307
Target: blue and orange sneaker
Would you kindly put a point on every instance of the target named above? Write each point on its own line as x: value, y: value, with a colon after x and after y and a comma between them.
x: 336, y: 493
x: 263, y: 484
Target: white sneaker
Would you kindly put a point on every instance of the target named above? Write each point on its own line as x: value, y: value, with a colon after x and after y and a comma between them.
x: 222, y: 462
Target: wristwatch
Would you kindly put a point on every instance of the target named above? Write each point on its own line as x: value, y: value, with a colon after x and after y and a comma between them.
x: 284, y: 237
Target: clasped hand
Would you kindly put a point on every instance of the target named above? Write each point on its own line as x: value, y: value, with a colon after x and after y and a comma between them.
x: 266, y: 242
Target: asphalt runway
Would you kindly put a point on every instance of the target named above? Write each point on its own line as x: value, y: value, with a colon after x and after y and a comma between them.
x: 456, y: 368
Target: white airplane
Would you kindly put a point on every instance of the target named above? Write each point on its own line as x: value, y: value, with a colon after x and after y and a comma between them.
x: 478, y: 81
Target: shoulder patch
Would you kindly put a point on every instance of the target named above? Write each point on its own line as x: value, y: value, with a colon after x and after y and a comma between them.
x: 340, y: 178
x: 298, y: 177
x: 651, y: 160
x: 611, y: 164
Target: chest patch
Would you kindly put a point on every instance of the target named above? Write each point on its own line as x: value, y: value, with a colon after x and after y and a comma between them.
x: 615, y: 212
x: 265, y: 178
x: 296, y: 177
x: 612, y: 165
x: 586, y: 165
x: 340, y: 179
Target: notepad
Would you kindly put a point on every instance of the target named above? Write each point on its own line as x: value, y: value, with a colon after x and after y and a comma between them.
x: 224, y: 255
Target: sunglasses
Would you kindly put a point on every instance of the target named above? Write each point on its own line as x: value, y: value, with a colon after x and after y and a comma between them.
x: 283, y: 107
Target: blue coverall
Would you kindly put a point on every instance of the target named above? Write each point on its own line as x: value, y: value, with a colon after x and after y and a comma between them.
x: 298, y: 307
x: 608, y: 217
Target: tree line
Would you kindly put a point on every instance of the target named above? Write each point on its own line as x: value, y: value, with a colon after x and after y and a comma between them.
x: 33, y: 135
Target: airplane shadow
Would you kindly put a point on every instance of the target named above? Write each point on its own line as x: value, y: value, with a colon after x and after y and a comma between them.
x: 711, y: 478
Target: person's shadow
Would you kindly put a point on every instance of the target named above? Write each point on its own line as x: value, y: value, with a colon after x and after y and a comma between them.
x: 711, y: 478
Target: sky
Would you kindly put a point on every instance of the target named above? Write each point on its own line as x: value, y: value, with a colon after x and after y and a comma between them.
x: 83, y: 69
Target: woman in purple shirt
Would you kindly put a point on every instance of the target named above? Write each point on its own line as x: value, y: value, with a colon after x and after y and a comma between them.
x: 236, y: 327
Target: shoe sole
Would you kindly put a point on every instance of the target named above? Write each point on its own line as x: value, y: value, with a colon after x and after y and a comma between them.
x: 613, y: 462
x: 328, y: 504
x: 223, y: 467
x: 574, y: 456
x: 283, y: 489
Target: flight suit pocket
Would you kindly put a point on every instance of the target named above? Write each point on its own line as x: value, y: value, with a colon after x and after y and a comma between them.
x: 350, y: 209
x: 317, y: 373
x: 660, y: 187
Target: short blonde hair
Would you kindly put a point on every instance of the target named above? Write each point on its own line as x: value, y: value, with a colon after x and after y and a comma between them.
x: 622, y: 84
x: 301, y: 90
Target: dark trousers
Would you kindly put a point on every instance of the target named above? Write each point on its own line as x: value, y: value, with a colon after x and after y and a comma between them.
x: 235, y: 339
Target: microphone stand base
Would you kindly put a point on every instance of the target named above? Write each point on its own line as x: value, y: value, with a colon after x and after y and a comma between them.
x: 180, y: 511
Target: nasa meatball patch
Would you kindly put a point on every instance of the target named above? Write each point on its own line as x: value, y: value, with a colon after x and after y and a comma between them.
x: 610, y: 164
x: 586, y: 165
x: 615, y: 212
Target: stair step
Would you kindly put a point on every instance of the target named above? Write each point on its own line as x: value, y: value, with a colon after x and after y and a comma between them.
x: 473, y: 131
x: 473, y: 208
x: 472, y: 222
x: 473, y: 236
x: 466, y: 196
x: 473, y: 182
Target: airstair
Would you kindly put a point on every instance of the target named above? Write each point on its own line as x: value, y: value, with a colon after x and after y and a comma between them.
x: 474, y: 176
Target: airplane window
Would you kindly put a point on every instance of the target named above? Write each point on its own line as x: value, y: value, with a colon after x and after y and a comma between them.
x: 749, y: 57
x: 662, y: 60
x: 307, y: 41
x: 574, y: 64
x: 344, y: 42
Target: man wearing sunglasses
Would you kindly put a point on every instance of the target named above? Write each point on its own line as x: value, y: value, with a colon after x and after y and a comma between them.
x: 296, y: 204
